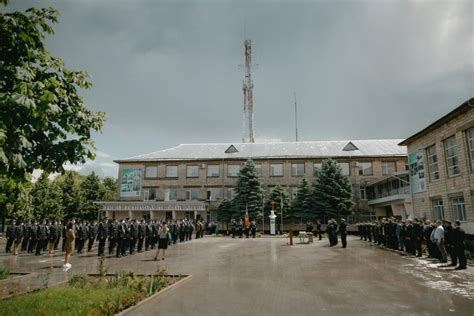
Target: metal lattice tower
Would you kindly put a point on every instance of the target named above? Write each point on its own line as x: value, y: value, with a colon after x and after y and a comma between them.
x: 248, y: 95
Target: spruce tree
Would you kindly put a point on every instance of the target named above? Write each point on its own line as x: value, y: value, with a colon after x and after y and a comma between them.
x: 302, y: 208
x: 225, y: 211
x: 249, y: 192
x: 278, y: 195
x: 332, y: 192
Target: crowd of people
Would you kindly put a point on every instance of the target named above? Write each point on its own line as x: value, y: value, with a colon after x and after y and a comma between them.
x: 240, y: 228
x: 439, y: 238
x: 120, y: 237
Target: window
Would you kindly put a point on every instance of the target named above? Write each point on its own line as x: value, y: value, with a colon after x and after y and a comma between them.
x: 149, y: 194
x: 297, y: 169
x: 192, y: 171
x: 438, y: 209
x: 316, y: 167
x: 151, y: 172
x: 388, y: 168
x: 470, y: 143
x: 192, y: 194
x: 345, y: 168
x: 171, y: 194
x: 233, y: 170
x: 258, y: 167
x: 432, y: 163
x: 363, y: 193
x: 276, y: 170
x: 459, y: 208
x: 214, y: 194
x: 171, y: 172
x: 451, y: 151
x: 213, y: 171
x: 365, y: 169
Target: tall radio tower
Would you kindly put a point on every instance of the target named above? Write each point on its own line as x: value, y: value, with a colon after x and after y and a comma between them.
x: 248, y: 95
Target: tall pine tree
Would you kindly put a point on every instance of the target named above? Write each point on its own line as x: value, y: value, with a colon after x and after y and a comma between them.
x: 302, y: 208
x: 248, y: 192
x: 332, y: 192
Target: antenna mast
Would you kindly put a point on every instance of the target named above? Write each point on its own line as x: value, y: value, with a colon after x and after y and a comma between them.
x: 296, y: 117
x: 248, y: 95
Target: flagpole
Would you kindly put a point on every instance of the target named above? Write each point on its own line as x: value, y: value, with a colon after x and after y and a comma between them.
x: 281, y: 214
x: 263, y: 215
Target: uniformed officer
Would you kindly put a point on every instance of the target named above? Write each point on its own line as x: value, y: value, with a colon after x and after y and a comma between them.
x: 318, y: 229
x: 120, y: 238
x: 92, y: 235
x: 141, y: 235
x: 458, y: 240
x: 102, y: 234
x: 19, y: 233
x: 253, y: 228
x: 83, y: 236
x: 10, y: 236
x: 113, y: 231
x: 133, y: 236
x: 26, y: 237
x: 33, y: 237
x: 232, y: 227
x: 343, y: 233
x: 41, y: 236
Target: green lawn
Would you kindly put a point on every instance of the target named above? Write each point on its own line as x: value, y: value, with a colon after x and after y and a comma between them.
x: 85, y: 295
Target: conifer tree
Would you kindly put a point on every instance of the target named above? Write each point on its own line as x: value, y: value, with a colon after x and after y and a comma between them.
x: 302, y: 207
x: 248, y: 192
x: 278, y: 195
x: 225, y: 211
x: 92, y: 191
x: 332, y: 192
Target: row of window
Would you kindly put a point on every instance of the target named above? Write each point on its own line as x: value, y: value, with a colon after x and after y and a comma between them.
x: 457, y: 205
x: 276, y: 170
x: 192, y: 194
x: 451, y: 154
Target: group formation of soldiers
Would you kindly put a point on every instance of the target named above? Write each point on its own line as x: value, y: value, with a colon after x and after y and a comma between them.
x: 414, y: 236
x: 125, y: 236
x: 239, y: 228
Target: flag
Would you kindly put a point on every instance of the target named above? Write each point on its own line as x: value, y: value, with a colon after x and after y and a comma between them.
x: 247, y: 219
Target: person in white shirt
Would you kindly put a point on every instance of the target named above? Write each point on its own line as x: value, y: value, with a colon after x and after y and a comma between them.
x: 438, y: 236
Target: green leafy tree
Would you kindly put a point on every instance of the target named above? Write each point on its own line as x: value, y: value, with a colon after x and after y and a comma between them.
x: 279, y: 195
x: 44, y: 122
x: 72, y: 194
x: 248, y: 192
x: 109, y: 186
x: 302, y: 206
x: 332, y: 192
x: 46, y: 197
x: 22, y: 208
x: 92, y: 191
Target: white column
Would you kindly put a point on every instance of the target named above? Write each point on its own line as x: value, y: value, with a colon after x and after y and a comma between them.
x: 174, y: 214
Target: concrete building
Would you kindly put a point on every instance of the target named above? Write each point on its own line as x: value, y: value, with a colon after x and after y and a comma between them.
x: 441, y: 159
x: 190, y: 180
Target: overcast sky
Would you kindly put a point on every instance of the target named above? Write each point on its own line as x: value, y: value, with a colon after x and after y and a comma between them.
x: 166, y: 72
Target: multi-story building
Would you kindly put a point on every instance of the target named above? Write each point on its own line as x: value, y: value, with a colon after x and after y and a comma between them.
x: 441, y: 159
x: 190, y: 180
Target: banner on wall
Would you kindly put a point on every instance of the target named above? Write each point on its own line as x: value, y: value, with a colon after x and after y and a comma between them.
x: 130, y: 182
x: 417, y: 171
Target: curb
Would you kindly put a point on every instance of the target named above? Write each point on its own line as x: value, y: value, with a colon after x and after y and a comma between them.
x: 169, y: 288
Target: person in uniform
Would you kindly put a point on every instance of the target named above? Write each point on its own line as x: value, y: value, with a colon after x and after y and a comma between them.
x: 232, y: 227
x: 113, y: 231
x: 459, y: 237
x: 133, y: 236
x: 449, y: 243
x: 42, y: 237
x: 318, y: 229
x: 52, y: 237
x: 253, y: 228
x: 92, y: 235
x: 26, y: 237
x: 120, y: 239
x: 141, y: 235
x: 148, y: 235
x: 240, y: 227
x: 10, y: 236
x: 102, y: 234
x: 417, y: 236
x: 83, y: 236
x: 19, y: 233
x: 33, y: 237
x: 343, y: 233
x: 163, y: 241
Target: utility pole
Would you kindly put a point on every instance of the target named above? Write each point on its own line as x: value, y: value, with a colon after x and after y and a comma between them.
x: 296, y: 117
x: 247, y: 88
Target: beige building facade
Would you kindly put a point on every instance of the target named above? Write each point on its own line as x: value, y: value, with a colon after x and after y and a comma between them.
x: 190, y: 180
x: 441, y: 159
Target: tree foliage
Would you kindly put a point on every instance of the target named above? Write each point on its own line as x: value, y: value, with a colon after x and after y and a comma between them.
x: 302, y: 207
x: 225, y: 211
x: 44, y: 122
x: 332, y: 192
x: 279, y: 195
x: 248, y: 192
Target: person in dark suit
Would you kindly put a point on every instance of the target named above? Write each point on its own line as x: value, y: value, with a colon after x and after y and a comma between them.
x: 343, y: 233
x: 232, y: 227
x: 112, y: 235
x: 102, y: 234
x: 417, y: 235
x: 133, y: 236
x: 449, y: 243
x: 92, y: 235
x: 318, y: 229
x: 459, y: 247
x: 10, y: 236
x: 141, y: 235
x: 41, y: 237
x: 253, y: 228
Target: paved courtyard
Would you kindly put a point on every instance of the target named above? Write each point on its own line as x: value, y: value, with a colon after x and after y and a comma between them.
x: 265, y: 276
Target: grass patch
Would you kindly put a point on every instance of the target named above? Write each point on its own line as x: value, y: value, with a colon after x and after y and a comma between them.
x: 88, y: 295
x: 4, y: 272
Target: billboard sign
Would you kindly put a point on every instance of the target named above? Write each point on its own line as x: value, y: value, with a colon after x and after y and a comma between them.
x: 130, y: 182
x: 417, y: 171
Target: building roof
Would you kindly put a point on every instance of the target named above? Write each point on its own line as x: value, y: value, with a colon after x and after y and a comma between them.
x: 315, y: 149
x: 463, y: 108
